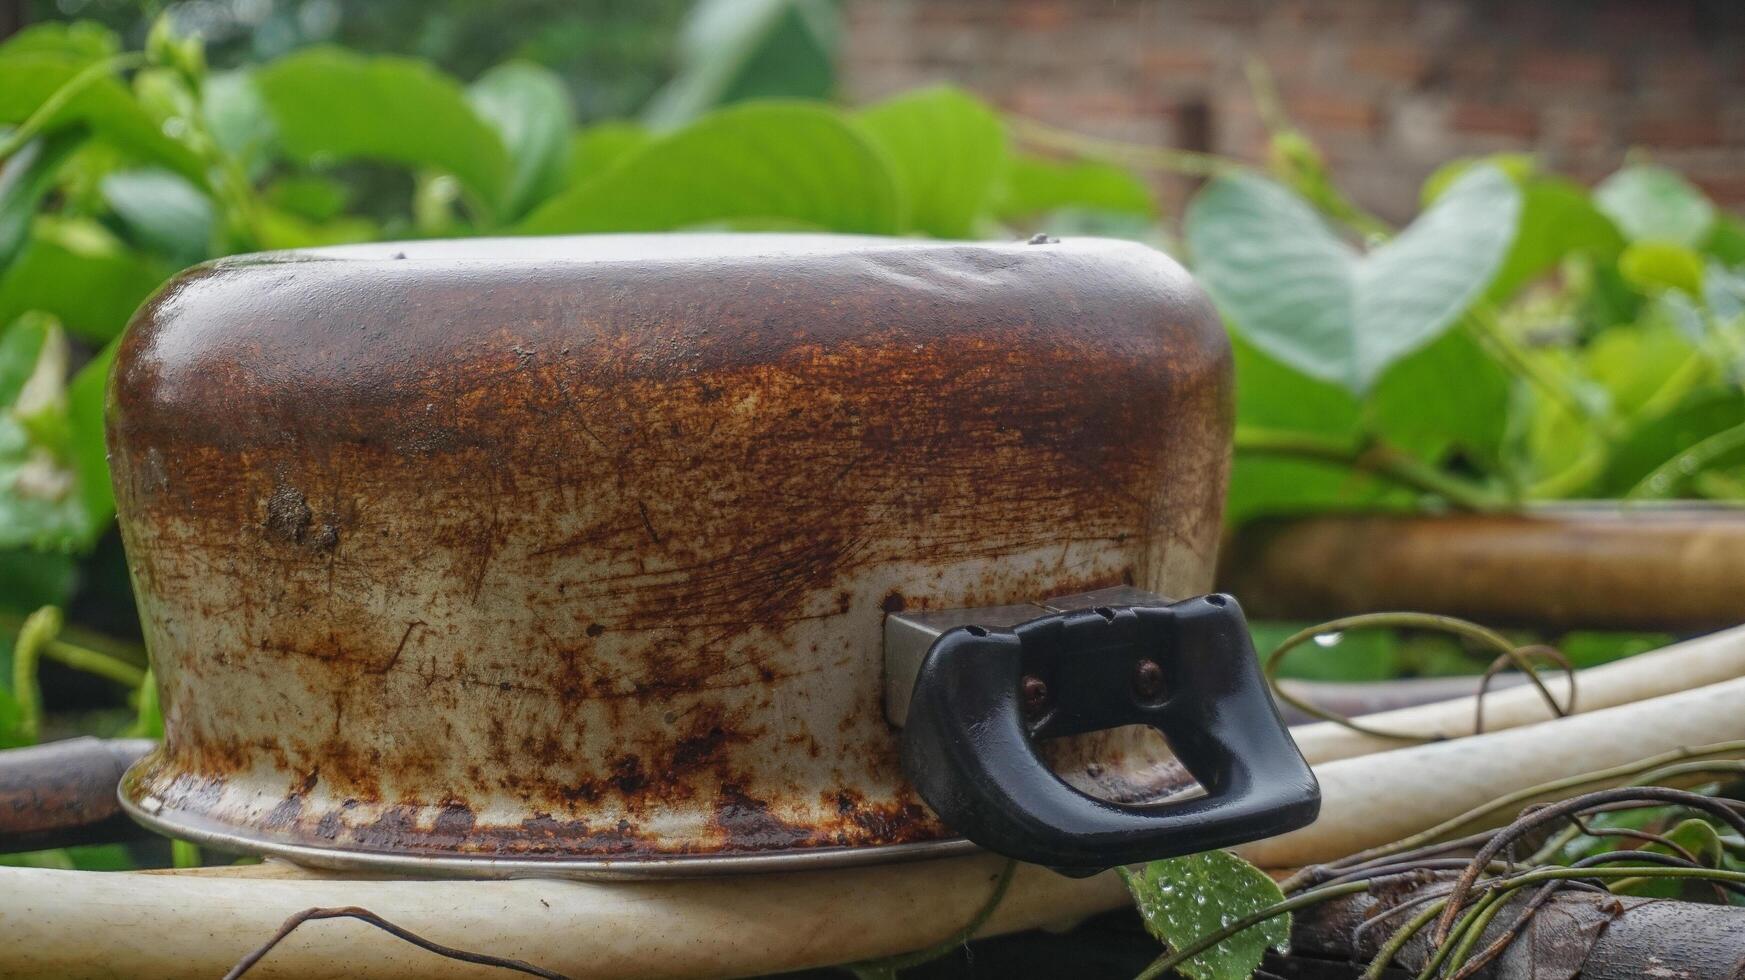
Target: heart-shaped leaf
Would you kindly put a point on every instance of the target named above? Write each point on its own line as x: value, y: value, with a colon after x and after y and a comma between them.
x: 782, y: 164
x: 947, y: 150
x: 1654, y: 203
x: 332, y: 104
x: 1035, y: 185
x: 1309, y: 298
x: 528, y: 107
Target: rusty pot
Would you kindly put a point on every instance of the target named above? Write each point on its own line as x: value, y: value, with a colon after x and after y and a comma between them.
x: 576, y: 555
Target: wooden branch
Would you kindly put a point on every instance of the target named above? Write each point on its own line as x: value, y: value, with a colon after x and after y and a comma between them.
x: 1595, y: 937
x: 63, y: 793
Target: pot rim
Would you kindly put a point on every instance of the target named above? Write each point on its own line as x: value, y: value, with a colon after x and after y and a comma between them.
x: 184, y: 826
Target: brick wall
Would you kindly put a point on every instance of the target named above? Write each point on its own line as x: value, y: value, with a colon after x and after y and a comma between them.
x: 1388, y: 88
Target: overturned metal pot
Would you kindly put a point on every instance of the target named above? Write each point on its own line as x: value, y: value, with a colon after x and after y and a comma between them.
x: 576, y: 556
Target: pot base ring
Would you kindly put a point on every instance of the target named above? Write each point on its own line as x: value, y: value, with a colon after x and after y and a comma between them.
x: 191, y: 828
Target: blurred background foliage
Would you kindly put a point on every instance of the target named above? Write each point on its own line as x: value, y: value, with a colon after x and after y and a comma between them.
x: 1525, y: 339
x: 613, y: 55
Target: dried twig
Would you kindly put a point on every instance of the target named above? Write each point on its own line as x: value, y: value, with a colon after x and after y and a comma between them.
x: 400, y: 932
x: 1557, y: 811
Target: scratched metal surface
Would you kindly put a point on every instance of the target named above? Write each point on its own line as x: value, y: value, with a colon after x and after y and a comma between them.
x: 579, y: 548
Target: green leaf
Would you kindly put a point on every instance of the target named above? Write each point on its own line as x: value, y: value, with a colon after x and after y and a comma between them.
x: 602, y: 146
x: 948, y: 151
x: 310, y: 196
x: 735, y: 50
x: 772, y: 161
x: 1520, y: 167
x: 279, y: 229
x: 1726, y: 240
x: 29, y: 78
x: 1303, y: 295
x: 30, y: 580
x: 329, y: 105
x: 1640, y: 364
x: 40, y: 502
x: 1358, y: 655
x: 1654, y: 266
x: 236, y: 115
x: 1418, y: 406
x: 1650, y: 443
x: 21, y: 349
x: 164, y: 212
x: 79, y: 273
x: 1271, y: 395
x: 87, y: 396
x: 1035, y: 185
x: 1590, y: 648
x: 24, y: 180
x: 149, y: 721
x: 1697, y: 836
x: 1654, y: 203
x: 1558, y: 219
x: 54, y: 473
x: 1186, y: 898
x: 530, y: 110
x: 83, y: 39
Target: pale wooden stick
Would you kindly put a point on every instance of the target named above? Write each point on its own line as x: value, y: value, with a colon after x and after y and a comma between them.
x: 1694, y: 663
x: 1382, y: 797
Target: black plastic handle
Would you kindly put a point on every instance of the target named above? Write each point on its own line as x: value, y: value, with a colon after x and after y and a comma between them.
x: 1187, y: 669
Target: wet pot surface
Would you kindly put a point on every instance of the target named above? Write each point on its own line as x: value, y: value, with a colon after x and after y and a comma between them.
x: 575, y: 552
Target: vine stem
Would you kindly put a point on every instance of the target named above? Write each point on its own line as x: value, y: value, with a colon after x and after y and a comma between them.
x: 1510, y: 653
x: 63, y: 97
x: 109, y: 646
x: 1187, y: 162
x: 1372, y: 457
x: 92, y: 662
x: 1520, y: 798
x: 1561, y: 810
x: 1557, y: 842
x: 38, y: 631
x: 1169, y: 961
x: 1697, y: 457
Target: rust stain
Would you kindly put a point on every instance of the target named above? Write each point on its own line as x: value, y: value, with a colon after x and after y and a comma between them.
x: 581, y: 557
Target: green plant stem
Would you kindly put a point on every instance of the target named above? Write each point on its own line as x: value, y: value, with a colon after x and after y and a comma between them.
x: 1404, y: 620
x: 109, y: 646
x: 1573, y: 477
x: 1522, y: 797
x: 1562, y: 839
x: 92, y: 662
x: 1371, y: 457
x: 1186, y: 162
x: 1169, y: 961
x: 1483, y: 913
x: 1401, y: 936
x: 63, y: 97
x: 1666, y: 397
x: 1315, y: 187
x: 1482, y: 322
x: 1498, y: 892
x: 1691, y: 461
x: 38, y: 631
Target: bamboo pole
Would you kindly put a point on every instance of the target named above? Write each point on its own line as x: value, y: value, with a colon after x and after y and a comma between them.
x: 1603, y: 566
